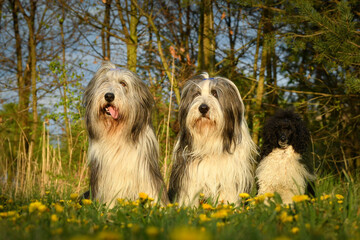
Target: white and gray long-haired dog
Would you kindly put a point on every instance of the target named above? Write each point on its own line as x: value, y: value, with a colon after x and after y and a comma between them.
x: 214, y: 153
x: 123, y: 150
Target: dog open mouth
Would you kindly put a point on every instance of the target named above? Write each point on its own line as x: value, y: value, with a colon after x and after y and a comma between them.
x: 112, y: 111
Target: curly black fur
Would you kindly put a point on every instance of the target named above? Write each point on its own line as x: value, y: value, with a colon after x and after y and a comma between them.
x: 286, y: 127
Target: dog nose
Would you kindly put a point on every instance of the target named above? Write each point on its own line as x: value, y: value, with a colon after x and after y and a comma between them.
x: 283, y: 138
x: 109, y: 97
x: 203, y: 108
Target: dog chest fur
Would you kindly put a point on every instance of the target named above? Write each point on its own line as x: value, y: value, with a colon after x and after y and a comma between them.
x: 122, y: 172
x: 223, y: 176
x: 282, y: 172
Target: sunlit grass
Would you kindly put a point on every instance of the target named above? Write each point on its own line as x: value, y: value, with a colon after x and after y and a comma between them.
x: 333, y: 214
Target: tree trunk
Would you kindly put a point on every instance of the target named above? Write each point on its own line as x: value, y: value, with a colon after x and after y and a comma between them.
x: 22, y: 84
x: 32, y: 56
x: 206, y: 55
x: 105, y: 36
x: 255, y: 67
x: 133, y: 38
x: 31, y: 70
x: 260, y: 86
x: 64, y: 80
x: 161, y: 53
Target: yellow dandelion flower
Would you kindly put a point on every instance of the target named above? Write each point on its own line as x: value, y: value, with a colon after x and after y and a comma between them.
x: 295, y: 230
x: 284, y: 217
x: 34, y: 206
x: 37, y: 206
x: 250, y: 200
x: 77, y: 206
x: 188, y: 233
x: 42, y: 208
x: 1, y: 207
x: 143, y: 196
x: 54, y: 218
x: 220, y: 214
x: 340, y: 201
x: 203, y: 218
x: 220, y: 224
x: 74, y: 196
x: 269, y: 195
x: 8, y: 214
x: 339, y: 196
x: 278, y: 208
x: 300, y: 198
x: 150, y: 199
x: 325, y: 197
x: 259, y: 198
x: 202, y: 195
x: 244, y: 195
x: 86, y: 202
x: 206, y: 206
x: 170, y: 205
x: 120, y: 201
x: 58, y: 208
x: 152, y: 231
x: 47, y: 192
x: 108, y: 235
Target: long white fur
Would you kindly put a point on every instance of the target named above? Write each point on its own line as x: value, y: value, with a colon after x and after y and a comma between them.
x: 282, y: 172
x: 122, y: 165
x: 210, y: 170
x: 122, y: 170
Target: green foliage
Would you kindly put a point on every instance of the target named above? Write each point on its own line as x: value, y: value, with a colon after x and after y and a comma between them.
x: 332, y: 215
x: 335, y: 38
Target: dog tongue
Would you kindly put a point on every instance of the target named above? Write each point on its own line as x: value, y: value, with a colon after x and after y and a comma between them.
x: 113, y: 112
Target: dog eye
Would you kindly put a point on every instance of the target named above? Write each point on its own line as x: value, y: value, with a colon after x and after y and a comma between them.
x: 214, y: 93
x: 123, y: 83
x: 196, y: 94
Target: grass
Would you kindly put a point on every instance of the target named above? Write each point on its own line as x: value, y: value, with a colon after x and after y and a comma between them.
x: 334, y: 214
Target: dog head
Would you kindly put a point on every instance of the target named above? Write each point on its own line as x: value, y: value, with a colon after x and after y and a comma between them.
x: 286, y: 128
x: 211, y: 108
x: 116, y: 99
x: 285, y: 133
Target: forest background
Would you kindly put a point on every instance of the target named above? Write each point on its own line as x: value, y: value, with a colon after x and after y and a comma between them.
x: 304, y: 54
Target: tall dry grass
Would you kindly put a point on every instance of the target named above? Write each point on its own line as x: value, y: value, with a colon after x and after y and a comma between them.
x: 48, y: 169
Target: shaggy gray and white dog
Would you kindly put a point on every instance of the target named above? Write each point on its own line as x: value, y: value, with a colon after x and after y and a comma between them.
x: 214, y: 152
x: 123, y: 150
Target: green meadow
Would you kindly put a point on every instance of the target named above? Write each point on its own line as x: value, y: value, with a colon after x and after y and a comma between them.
x: 333, y: 214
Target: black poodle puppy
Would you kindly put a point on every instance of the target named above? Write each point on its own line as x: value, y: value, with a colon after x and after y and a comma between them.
x: 284, y: 166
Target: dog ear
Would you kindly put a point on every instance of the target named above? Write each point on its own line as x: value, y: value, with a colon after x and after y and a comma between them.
x: 145, y: 102
x: 269, y: 137
x: 301, y: 136
x: 233, y: 114
x: 177, y: 172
